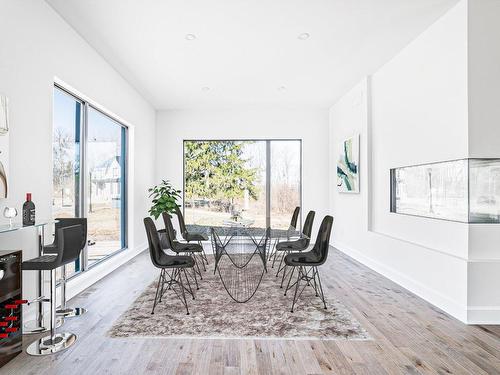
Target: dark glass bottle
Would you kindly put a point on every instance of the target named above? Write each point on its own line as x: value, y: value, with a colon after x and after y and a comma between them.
x: 28, y: 211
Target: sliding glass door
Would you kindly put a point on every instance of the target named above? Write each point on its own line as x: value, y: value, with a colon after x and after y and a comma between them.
x: 105, y: 177
x: 66, y: 147
x: 89, y: 180
x: 255, y: 181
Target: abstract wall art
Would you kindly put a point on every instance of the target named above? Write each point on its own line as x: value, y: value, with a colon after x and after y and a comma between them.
x: 4, y: 146
x: 348, y: 166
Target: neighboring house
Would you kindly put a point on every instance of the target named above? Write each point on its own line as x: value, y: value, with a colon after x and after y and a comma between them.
x: 105, y: 182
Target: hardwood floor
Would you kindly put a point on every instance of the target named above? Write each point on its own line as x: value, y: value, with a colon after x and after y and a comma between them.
x: 410, y: 336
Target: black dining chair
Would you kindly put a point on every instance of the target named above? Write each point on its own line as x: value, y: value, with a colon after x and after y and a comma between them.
x: 299, y: 244
x: 192, y: 249
x: 292, y: 226
x: 307, y: 263
x: 190, y: 236
x: 176, y: 264
x: 63, y: 310
x: 295, y: 218
x: 69, y: 240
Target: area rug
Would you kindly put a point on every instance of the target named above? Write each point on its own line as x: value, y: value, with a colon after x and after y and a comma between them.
x: 213, y: 314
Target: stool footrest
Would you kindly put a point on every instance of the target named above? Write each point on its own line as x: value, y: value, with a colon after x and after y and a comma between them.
x: 38, y: 299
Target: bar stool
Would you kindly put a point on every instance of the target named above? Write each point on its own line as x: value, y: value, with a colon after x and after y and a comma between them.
x: 67, y: 312
x: 69, y: 245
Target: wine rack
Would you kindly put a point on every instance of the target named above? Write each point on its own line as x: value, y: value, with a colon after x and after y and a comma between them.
x: 11, y: 305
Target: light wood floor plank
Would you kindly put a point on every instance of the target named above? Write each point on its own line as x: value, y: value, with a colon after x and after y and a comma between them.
x: 409, y: 336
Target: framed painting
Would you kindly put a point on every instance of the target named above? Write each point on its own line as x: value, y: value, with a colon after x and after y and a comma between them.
x: 348, y: 166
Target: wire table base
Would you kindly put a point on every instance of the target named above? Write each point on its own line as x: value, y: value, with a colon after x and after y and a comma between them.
x: 240, y: 260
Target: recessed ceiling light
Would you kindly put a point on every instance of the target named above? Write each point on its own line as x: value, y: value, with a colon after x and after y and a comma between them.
x: 190, y: 37
x: 282, y: 88
x: 304, y: 36
x: 205, y: 88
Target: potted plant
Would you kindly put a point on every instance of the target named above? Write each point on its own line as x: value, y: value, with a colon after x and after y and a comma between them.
x: 164, y: 198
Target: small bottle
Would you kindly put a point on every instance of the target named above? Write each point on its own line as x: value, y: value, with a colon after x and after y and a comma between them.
x: 28, y: 211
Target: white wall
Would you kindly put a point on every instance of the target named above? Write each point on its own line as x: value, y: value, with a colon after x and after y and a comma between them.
x: 36, y: 48
x: 413, y: 110
x: 309, y: 125
x: 484, y: 142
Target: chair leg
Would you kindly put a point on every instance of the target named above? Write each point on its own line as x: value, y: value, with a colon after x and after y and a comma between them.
x: 195, y: 278
x: 274, y: 258
x: 203, y: 259
x: 297, y: 287
x: 188, y: 283
x: 183, y: 293
x: 162, y: 290
x: 273, y: 250
x: 281, y: 262
x: 157, y: 290
x: 197, y: 263
x: 321, y: 288
x: 289, y: 280
x: 315, y: 284
x: 284, y: 275
x: 204, y: 254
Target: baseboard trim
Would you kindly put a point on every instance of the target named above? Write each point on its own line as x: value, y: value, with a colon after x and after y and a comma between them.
x: 483, y: 315
x: 442, y: 302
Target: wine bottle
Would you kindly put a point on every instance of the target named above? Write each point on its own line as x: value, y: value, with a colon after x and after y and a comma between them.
x: 28, y: 211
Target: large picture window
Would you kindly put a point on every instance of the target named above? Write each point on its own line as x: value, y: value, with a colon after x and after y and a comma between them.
x: 258, y: 181
x: 89, y: 175
x: 466, y: 190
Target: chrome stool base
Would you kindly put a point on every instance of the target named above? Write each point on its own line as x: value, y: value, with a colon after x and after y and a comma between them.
x: 71, y: 312
x: 33, y: 327
x: 45, y: 346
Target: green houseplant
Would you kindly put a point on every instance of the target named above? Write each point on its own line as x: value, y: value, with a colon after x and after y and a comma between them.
x: 164, y: 198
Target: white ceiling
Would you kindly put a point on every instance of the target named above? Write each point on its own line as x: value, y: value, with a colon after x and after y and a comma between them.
x: 245, y: 51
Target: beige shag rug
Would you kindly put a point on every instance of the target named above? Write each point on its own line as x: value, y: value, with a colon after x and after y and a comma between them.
x: 213, y: 314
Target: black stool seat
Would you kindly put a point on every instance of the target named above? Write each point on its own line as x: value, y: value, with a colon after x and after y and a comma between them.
x: 298, y: 245
x: 42, y: 263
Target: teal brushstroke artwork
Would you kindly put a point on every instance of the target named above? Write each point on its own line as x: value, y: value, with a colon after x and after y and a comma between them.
x: 348, y: 166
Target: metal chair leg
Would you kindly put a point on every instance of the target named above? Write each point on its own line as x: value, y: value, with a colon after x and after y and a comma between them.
x: 157, y: 290
x: 315, y: 271
x: 289, y: 280
x: 296, y: 287
x: 182, y: 293
x: 284, y: 275
x: 274, y: 259
x: 188, y: 283
x: 204, y: 254
x: 321, y: 288
x: 273, y: 250
x: 195, y: 279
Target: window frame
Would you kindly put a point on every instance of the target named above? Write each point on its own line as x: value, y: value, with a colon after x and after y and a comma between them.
x: 81, y: 206
x: 268, y: 142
